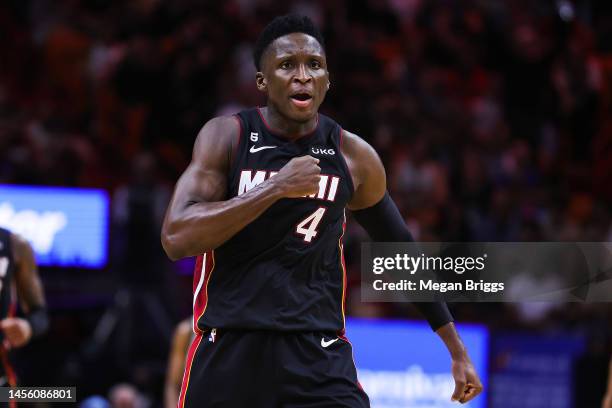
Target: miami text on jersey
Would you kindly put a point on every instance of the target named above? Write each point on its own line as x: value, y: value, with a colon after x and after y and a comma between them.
x: 328, y: 184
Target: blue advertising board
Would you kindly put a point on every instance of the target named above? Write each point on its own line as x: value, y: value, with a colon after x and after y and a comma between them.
x: 404, y: 364
x: 534, y: 371
x: 66, y: 226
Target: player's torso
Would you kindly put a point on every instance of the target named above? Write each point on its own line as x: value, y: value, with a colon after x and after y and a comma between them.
x: 284, y: 271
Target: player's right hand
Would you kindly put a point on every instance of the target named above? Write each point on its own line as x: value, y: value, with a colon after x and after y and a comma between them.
x: 299, y: 178
x: 467, y: 382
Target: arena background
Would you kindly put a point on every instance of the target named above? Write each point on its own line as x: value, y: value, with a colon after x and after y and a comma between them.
x: 493, y: 120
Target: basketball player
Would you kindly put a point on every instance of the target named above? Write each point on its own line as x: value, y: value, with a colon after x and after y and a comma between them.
x: 183, y: 335
x: 607, y: 401
x: 18, y: 273
x: 263, y: 205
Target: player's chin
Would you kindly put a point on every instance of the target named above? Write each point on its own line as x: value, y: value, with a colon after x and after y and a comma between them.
x: 303, y: 114
x: 303, y: 117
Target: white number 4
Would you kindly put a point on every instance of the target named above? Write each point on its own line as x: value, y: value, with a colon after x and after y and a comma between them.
x: 308, y: 227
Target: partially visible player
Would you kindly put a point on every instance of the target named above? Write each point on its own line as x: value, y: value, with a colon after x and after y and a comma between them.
x: 607, y: 401
x: 183, y: 335
x: 18, y: 280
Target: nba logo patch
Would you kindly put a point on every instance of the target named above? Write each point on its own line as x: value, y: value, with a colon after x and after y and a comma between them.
x: 212, y: 336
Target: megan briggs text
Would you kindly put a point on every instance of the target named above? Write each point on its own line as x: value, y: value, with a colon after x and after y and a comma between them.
x: 430, y: 285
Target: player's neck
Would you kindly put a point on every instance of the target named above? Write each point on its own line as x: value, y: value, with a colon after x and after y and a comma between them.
x: 290, y: 129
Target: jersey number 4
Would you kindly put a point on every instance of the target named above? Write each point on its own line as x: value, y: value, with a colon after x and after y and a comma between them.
x: 308, y: 226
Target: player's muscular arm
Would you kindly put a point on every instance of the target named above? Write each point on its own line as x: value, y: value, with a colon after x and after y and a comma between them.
x: 377, y: 213
x: 29, y: 287
x: 18, y: 331
x: 607, y: 401
x: 367, y: 171
x: 199, y: 217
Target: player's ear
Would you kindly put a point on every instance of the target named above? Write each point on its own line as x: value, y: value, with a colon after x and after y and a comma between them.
x: 260, y: 80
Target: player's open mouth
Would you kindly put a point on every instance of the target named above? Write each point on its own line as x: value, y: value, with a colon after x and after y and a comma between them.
x: 301, y: 100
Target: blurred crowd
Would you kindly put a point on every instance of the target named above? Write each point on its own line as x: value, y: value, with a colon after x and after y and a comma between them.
x: 493, y: 118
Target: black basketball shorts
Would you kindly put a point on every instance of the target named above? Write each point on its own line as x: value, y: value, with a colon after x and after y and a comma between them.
x: 269, y: 369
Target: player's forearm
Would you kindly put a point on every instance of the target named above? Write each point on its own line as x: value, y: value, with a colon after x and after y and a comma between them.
x: 453, y: 343
x: 203, y: 226
x: 171, y: 395
x: 29, y: 286
x: 384, y: 223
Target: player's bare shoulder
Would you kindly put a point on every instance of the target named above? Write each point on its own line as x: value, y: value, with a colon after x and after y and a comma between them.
x: 366, y: 169
x: 216, y: 141
x: 21, y: 248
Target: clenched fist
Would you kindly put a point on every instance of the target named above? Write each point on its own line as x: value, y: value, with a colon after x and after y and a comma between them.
x: 17, y: 332
x: 298, y: 178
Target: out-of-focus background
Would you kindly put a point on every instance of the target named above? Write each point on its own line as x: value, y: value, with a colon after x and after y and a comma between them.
x: 493, y: 120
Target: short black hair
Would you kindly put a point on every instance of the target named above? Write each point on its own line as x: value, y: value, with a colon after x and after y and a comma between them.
x: 283, y: 25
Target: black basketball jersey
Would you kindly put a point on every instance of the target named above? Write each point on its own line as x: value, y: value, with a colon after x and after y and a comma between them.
x: 285, y: 270
x: 7, y: 303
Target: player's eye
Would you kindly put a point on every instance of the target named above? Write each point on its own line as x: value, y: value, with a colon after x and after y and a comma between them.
x: 315, y: 64
x: 286, y: 65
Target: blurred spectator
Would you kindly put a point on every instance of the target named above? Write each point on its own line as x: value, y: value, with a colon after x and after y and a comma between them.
x: 143, y: 270
x: 126, y: 396
x: 138, y: 211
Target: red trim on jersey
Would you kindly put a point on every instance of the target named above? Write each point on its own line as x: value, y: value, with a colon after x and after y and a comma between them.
x: 341, y: 247
x: 235, y: 150
x: 12, y: 312
x: 11, y: 377
x: 348, y: 170
x: 281, y: 135
x: 190, y: 356
x: 203, y: 271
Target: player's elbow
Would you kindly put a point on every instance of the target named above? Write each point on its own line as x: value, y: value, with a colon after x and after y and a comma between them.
x: 172, y: 244
x: 178, y: 243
